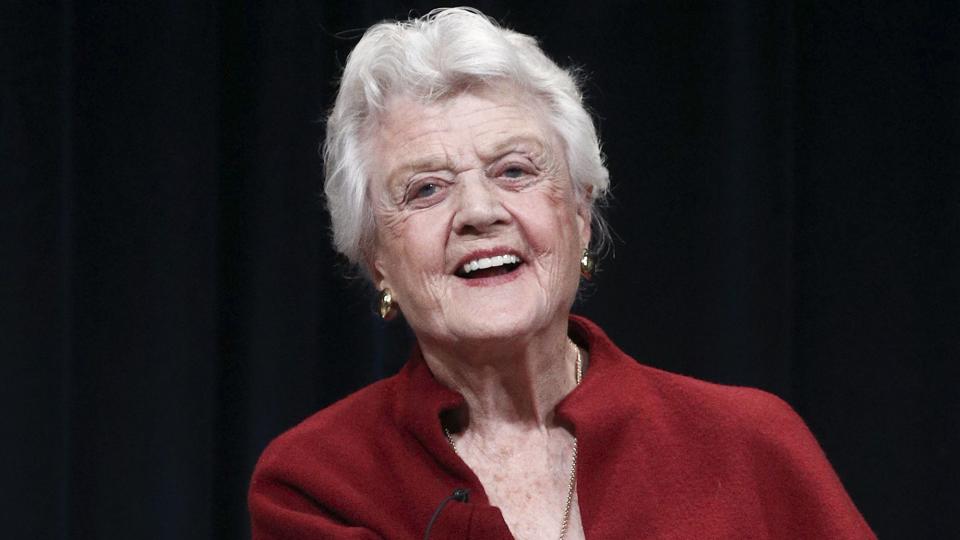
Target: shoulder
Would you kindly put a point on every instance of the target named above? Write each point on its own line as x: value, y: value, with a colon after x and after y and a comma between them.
x: 735, y: 421
x: 677, y: 411
x: 336, y: 431
x: 656, y: 394
x: 766, y: 451
x: 679, y: 397
x: 731, y: 406
x: 748, y: 440
x: 307, y: 479
x: 325, y: 455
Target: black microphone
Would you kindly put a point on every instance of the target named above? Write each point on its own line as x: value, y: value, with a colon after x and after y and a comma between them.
x: 459, y: 494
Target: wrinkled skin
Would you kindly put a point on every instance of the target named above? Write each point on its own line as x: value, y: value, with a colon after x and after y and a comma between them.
x: 478, y: 171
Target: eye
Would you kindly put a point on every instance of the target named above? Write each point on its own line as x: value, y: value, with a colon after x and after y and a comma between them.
x: 425, y: 190
x: 513, y: 171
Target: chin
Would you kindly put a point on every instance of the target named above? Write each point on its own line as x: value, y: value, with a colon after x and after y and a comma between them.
x: 482, y: 329
x: 499, y: 308
x: 505, y: 320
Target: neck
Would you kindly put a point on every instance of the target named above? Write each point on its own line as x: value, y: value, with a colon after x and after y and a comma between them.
x: 512, y: 384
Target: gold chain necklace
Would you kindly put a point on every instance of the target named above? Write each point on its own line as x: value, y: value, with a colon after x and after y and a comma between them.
x: 572, y: 483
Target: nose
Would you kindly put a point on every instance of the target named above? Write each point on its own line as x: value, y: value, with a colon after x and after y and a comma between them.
x: 479, y: 207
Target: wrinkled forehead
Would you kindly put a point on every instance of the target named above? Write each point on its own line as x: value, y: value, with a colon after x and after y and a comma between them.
x: 491, y: 115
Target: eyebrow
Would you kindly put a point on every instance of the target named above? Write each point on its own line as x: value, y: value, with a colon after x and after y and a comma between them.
x: 431, y: 162
x: 437, y: 161
x: 522, y: 141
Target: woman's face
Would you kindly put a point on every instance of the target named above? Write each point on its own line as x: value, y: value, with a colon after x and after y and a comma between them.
x: 473, y: 181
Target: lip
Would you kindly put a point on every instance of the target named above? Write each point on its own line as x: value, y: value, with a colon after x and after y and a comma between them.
x: 493, y: 280
x: 486, y: 253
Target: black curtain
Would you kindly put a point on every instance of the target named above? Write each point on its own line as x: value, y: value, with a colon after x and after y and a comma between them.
x: 787, y: 208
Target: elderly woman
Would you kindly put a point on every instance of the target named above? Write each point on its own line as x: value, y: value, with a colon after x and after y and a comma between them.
x: 462, y: 174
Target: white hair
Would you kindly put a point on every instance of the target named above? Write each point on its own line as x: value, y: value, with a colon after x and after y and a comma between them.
x: 437, y: 56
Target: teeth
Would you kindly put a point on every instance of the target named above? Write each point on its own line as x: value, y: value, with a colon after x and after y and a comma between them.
x: 490, y: 262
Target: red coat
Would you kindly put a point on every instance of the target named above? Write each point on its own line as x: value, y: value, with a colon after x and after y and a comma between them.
x: 660, y: 456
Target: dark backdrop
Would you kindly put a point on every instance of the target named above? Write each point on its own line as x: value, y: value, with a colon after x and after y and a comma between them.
x: 787, y: 202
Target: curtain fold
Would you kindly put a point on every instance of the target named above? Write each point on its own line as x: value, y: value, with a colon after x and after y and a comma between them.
x: 786, y: 206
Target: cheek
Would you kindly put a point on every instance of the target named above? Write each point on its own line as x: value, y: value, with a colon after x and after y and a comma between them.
x: 548, y: 222
x: 410, y: 243
x: 547, y: 218
x: 389, y: 221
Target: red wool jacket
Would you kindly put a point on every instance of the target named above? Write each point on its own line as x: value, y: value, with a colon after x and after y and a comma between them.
x: 660, y: 456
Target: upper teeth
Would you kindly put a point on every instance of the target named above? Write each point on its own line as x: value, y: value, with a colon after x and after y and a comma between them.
x: 490, y: 262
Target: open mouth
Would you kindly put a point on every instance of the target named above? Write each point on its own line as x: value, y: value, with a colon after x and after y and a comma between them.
x: 486, y: 267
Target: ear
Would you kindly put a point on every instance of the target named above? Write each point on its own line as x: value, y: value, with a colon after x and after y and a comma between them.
x: 377, y: 270
x: 374, y: 265
x: 585, y: 217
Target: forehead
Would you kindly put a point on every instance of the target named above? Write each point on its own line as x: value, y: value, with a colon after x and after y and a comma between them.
x: 478, y: 122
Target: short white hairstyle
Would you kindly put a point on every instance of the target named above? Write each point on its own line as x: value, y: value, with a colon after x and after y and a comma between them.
x: 431, y: 58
